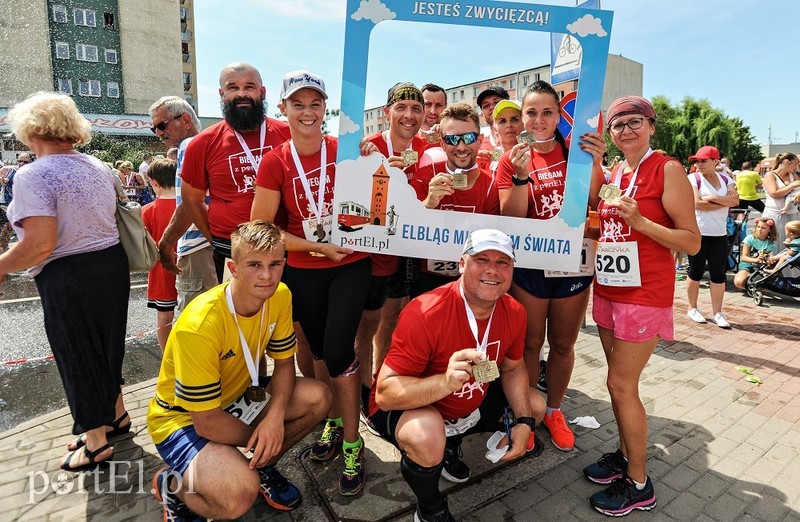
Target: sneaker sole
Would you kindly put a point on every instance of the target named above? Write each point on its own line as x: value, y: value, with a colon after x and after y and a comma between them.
x: 604, y: 481
x: 646, y: 505
x: 559, y: 447
x: 330, y: 455
x: 450, y: 478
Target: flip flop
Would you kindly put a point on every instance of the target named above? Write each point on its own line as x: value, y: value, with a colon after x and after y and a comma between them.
x: 118, y: 430
x: 91, y: 455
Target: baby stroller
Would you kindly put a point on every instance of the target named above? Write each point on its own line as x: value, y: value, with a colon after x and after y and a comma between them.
x: 737, y: 231
x: 776, y: 282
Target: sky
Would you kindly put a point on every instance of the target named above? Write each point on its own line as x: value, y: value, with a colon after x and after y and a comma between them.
x: 739, y: 54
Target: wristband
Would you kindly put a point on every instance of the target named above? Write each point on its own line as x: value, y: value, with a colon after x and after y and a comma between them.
x: 519, y: 182
x: 528, y: 421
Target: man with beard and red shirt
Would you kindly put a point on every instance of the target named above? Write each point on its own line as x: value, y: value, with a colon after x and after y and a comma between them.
x: 388, y: 286
x: 224, y: 158
x: 457, y: 184
x: 435, y: 101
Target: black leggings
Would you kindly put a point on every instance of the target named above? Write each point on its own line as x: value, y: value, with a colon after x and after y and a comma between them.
x: 328, y: 303
x: 714, y: 250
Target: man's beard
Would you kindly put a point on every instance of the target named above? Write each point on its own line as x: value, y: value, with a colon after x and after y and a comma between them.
x: 243, y: 118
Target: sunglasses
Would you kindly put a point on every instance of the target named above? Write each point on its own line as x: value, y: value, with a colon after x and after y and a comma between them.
x: 468, y: 138
x: 163, y: 125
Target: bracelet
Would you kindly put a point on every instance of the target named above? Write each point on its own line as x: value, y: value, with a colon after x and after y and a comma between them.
x: 519, y: 182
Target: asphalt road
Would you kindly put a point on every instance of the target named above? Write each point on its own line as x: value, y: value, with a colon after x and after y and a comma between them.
x: 30, y: 389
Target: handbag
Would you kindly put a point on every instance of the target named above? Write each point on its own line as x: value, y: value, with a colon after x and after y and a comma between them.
x: 139, y: 245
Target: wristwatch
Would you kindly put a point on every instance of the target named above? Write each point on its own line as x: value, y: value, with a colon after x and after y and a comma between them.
x: 519, y: 182
x: 528, y: 421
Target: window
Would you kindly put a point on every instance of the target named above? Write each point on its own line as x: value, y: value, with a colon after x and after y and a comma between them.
x: 512, y: 84
x: 86, y: 52
x: 475, y: 91
x: 60, y: 14
x: 84, y: 17
x: 525, y: 80
x: 89, y: 88
x: 108, y: 21
x: 454, y: 96
x: 111, y: 56
x: 462, y: 94
x: 184, y: 14
x: 537, y: 77
x: 112, y: 89
x: 65, y: 85
x: 62, y: 50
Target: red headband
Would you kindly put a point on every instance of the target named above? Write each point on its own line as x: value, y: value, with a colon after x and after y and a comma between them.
x: 629, y: 105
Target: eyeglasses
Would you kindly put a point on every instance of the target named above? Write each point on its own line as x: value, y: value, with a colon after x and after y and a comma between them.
x: 633, y: 124
x: 163, y: 125
x: 468, y: 138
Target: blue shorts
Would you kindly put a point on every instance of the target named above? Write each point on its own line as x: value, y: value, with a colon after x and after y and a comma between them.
x: 181, y: 447
x: 534, y: 282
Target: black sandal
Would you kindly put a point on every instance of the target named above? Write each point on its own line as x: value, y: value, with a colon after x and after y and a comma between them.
x: 91, y: 456
x: 118, y: 430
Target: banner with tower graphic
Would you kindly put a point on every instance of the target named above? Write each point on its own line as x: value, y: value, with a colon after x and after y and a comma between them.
x: 376, y: 210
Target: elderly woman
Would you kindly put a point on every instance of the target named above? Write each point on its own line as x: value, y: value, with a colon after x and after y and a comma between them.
x: 643, y: 214
x: 64, y: 217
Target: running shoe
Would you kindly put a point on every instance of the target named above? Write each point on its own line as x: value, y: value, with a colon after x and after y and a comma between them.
x: 352, y: 479
x: 365, y: 420
x: 720, y: 320
x: 174, y: 509
x: 278, y: 492
x: 441, y: 515
x: 609, y: 468
x: 329, y: 442
x: 622, y: 497
x: 560, y: 434
x: 695, y: 315
x: 541, y: 382
x: 454, y: 469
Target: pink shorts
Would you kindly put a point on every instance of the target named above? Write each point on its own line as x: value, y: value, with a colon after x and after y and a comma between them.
x: 634, y: 323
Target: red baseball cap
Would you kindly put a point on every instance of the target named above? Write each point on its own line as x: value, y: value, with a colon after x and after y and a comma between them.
x: 707, y: 152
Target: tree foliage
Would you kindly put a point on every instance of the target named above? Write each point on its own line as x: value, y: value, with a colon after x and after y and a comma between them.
x: 112, y: 148
x: 682, y: 129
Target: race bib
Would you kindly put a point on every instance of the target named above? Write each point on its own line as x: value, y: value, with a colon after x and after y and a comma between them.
x: 443, y: 268
x: 617, y: 264
x: 588, y: 252
x: 459, y: 426
x: 246, y: 410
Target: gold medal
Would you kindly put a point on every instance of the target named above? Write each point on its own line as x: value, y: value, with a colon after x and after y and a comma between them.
x: 485, y: 371
x: 433, y: 137
x: 256, y: 394
x: 609, y: 191
x: 496, y: 154
x: 459, y: 179
x: 526, y: 138
x: 409, y: 156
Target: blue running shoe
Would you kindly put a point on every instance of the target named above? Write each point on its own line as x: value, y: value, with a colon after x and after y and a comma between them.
x: 609, y: 468
x: 279, y: 493
x: 622, y: 497
x: 174, y: 509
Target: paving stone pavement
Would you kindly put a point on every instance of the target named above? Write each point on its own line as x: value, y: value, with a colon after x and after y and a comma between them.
x: 720, y: 448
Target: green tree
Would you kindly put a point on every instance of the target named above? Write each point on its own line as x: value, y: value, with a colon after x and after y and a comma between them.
x: 110, y: 148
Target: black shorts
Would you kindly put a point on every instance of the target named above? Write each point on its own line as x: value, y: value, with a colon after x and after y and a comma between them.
x: 384, y: 287
x: 426, y: 282
x: 535, y: 283
x: 492, y: 409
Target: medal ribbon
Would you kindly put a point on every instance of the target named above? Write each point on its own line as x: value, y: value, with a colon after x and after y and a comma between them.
x: 464, y: 171
x: 252, y: 366
x: 316, y: 208
x: 622, y: 166
x: 246, y: 149
x: 473, y: 323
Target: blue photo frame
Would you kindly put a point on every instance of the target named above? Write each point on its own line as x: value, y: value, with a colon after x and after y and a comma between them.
x: 553, y: 244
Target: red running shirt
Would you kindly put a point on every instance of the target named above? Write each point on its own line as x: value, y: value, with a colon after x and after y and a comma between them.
x: 215, y: 161
x: 548, y: 173
x: 655, y: 260
x: 434, y: 326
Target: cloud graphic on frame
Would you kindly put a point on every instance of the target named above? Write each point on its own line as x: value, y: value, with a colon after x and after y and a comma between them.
x: 586, y: 25
x: 593, y: 121
x: 346, y: 125
x: 374, y: 11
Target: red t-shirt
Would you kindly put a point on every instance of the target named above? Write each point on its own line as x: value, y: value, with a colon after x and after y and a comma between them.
x: 215, y: 161
x: 655, y: 260
x: 548, y: 173
x: 434, y: 326
x: 278, y: 172
x: 156, y: 216
x: 382, y: 264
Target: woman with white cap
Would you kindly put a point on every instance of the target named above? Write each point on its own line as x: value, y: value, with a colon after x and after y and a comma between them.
x: 643, y: 214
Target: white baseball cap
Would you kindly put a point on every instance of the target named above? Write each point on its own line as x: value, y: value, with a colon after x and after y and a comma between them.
x: 489, y: 239
x: 296, y: 80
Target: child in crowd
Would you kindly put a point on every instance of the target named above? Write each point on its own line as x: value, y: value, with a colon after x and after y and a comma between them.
x: 792, y: 243
x: 756, y: 249
x: 161, y: 292
x: 790, y: 201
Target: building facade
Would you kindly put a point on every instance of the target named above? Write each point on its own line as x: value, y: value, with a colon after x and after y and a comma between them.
x: 114, y: 57
x: 623, y: 77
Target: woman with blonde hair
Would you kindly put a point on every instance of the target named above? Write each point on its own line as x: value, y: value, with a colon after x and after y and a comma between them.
x: 779, y: 185
x: 68, y: 241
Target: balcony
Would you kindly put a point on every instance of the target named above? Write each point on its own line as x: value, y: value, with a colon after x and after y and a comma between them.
x: 187, y: 57
x: 186, y: 36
